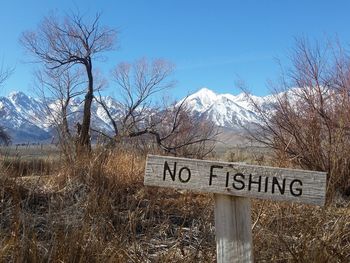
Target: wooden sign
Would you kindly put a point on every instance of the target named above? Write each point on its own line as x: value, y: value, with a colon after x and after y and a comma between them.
x: 234, y: 184
x: 237, y: 179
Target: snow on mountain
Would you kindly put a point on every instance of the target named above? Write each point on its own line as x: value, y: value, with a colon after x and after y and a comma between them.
x: 27, y: 118
x: 20, y: 115
x: 31, y: 110
x: 225, y: 110
x: 201, y: 100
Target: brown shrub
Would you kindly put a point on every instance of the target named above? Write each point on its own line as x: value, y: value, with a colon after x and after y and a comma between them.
x: 310, y: 123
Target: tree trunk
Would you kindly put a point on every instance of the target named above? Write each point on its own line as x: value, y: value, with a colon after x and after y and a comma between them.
x: 65, y: 125
x: 84, y: 139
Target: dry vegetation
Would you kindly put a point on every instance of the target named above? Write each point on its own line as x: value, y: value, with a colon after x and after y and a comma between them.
x: 309, y: 126
x: 97, y: 210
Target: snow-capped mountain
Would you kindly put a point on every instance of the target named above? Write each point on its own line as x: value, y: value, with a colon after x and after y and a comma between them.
x: 19, y: 114
x: 225, y: 110
x: 27, y: 119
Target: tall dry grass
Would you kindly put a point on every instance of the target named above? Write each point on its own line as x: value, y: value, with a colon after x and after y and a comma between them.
x: 97, y: 210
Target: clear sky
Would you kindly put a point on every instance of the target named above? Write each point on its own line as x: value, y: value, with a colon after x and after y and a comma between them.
x: 212, y: 43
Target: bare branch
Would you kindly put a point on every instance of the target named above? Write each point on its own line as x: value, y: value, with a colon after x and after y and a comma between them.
x: 171, y: 127
x: 5, y: 73
x: 57, y: 88
x: 137, y: 84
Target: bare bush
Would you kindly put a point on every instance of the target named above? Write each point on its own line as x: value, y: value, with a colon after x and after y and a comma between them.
x: 310, y: 123
x: 178, y: 132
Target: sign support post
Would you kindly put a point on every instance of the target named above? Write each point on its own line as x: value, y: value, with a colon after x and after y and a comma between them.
x: 233, y: 184
x: 233, y: 229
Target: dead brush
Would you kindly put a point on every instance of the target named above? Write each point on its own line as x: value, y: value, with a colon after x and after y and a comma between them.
x: 300, y: 233
x: 97, y: 210
x: 19, y: 167
x: 100, y: 211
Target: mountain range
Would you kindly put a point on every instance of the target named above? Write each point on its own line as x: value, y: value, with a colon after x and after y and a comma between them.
x: 26, y: 119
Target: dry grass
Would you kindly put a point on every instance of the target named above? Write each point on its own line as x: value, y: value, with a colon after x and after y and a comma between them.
x: 97, y: 210
x: 300, y: 233
x: 18, y: 167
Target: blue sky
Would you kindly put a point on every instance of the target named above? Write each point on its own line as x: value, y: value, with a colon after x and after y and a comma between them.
x: 212, y: 43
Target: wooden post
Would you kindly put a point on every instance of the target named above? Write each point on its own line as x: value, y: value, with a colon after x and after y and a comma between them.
x: 233, y: 229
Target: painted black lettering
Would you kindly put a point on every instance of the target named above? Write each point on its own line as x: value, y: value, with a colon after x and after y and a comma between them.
x: 167, y: 168
x: 227, y: 178
x: 188, y: 174
x: 296, y: 191
x: 280, y: 188
x: 266, y: 184
x: 254, y: 182
x: 211, y: 172
x: 236, y: 179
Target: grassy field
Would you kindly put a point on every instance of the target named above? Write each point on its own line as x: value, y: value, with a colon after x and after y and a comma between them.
x: 97, y: 210
x: 33, y: 151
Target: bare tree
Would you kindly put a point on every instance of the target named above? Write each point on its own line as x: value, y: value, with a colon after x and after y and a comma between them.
x: 57, y: 89
x: 310, y: 123
x: 171, y: 126
x: 137, y: 83
x: 62, y: 44
x: 5, y: 73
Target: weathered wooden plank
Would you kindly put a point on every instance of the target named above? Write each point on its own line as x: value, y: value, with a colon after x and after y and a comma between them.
x: 237, y: 179
x: 233, y: 229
